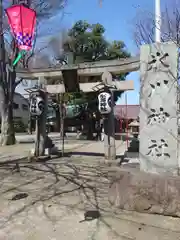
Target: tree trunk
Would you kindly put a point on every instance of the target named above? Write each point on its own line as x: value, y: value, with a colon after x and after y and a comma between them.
x: 6, y: 108
x: 90, y: 128
x: 7, y: 124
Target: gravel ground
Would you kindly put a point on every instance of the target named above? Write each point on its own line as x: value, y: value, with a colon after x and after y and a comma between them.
x: 59, y: 193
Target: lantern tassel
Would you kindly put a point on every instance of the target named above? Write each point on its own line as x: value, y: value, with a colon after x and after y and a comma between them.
x: 20, y: 54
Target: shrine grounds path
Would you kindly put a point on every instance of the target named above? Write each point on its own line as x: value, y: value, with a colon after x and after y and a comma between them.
x: 59, y: 192
x: 76, y: 147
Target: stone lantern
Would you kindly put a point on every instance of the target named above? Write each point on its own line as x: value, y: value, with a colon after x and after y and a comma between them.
x: 134, y: 128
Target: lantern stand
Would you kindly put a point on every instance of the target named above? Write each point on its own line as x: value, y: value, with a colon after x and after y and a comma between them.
x: 20, y: 55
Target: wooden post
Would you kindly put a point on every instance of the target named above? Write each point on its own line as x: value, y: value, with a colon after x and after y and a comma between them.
x: 109, y: 125
x: 37, y: 138
x: 127, y: 123
x: 61, y: 113
x: 61, y: 121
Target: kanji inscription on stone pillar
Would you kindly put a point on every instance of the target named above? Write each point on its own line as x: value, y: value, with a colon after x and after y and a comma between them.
x: 158, y: 108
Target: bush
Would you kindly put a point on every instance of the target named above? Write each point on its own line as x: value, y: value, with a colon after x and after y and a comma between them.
x: 19, y: 126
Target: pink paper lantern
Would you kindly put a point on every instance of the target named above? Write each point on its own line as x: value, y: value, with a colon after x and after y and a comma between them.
x: 22, y: 21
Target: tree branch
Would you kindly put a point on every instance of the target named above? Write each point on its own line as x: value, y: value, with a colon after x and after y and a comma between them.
x: 144, y: 27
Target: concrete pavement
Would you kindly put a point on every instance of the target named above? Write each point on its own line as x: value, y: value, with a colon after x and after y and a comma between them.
x: 97, y: 147
x: 30, y: 138
x: 60, y: 192
x: 78, y: 147
x: 57, y: 197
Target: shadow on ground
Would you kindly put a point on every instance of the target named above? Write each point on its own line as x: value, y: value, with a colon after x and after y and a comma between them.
x: 74, y: 185
x: 87, y: 154
x: 62, y: 191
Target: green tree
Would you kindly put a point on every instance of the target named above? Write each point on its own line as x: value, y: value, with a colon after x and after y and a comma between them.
x: 117, y: 50
x: 86, y: 42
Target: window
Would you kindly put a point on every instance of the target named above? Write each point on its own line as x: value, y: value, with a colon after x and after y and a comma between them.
x: 15, y: 105
x: 25, y: 107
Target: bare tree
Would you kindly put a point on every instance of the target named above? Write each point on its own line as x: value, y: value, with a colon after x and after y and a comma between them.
x: 144, y: 24
x: 144, y: 28
x: 56, y: 46
x: 8, y: 80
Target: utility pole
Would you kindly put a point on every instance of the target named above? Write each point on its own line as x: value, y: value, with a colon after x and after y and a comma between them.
x: 157, y: 21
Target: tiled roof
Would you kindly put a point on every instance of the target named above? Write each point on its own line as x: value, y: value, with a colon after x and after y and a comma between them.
x: 132, y: 111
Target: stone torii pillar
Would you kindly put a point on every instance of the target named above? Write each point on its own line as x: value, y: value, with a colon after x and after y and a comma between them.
x: 41, y: 135
x: 109, y: 122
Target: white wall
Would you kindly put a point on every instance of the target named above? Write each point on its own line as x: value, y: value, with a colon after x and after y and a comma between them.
x: 21, y: 108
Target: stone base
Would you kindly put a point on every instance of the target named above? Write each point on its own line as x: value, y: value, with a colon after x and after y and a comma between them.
x: 48, y: 151
x: 134, y: 190
x: 81, y: 136
x: 132, y: 155
x: 134, y: 145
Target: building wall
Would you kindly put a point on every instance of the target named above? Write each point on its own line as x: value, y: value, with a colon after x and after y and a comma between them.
x: 21, y: 108
x: 124, y: 114
x: 127, y: 111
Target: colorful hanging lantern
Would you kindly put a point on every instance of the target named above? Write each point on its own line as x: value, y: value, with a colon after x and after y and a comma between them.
x: 22, y: 21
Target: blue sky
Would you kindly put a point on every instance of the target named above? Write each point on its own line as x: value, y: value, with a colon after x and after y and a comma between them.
x: 117, y: 18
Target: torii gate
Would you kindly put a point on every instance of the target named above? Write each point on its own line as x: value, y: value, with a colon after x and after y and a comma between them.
x: 101, y: 68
